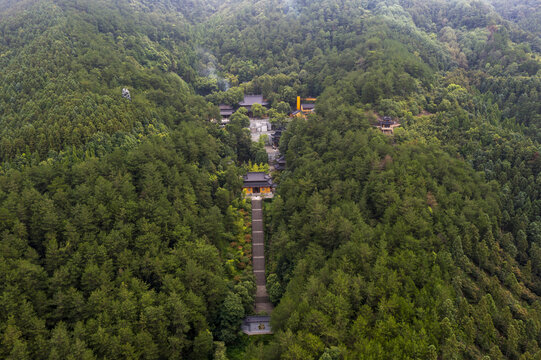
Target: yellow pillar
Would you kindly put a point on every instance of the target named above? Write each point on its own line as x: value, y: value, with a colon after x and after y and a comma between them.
x: 298, y: 102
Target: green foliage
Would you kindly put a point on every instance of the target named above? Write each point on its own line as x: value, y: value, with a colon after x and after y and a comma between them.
x: 231, y: 315
x: 231, y: 97
x: 258, y: 167
x: 283, y: 108
x: 258, y: 111
x: 123, y: 231
x: 240, y: 119
x: 111, y: 256
x: 274, y: 288
x: 63, y: 67
x: 203, y: 345
x: 365, y: 245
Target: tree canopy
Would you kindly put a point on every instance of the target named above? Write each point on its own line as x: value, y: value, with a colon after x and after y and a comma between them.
x: 123, y: 230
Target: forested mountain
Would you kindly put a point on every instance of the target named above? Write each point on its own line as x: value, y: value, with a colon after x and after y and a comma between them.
x: 524, y: 13
x: 119, y: 217
x: 64, y: 63
x: 124, y: 233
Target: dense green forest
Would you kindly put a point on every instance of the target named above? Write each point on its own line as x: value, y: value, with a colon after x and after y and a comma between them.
x: 124, y: 233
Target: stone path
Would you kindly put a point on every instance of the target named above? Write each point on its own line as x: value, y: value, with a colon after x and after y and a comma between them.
x: 262, y: 301
x: 258, y: 325
x: 273, y: 154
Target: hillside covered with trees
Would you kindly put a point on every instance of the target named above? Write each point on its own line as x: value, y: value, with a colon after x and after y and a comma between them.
x: 124, y: 232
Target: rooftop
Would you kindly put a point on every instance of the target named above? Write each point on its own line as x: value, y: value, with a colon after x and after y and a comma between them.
x: 308, y: 106
x: 388, y: 123
x: 256, y: 176
x: 257, y: 179
x: 256, y: 318
x: 257, y: 325
x: 226, y: 112
x: 249, y: 100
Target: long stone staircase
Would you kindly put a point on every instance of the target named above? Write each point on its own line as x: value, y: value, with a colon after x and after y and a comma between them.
x: 256, y: 325
x: 262, y: 301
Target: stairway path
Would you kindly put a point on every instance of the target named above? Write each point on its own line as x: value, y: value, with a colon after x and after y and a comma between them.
x: 262, y: 301
x: 258, y: 325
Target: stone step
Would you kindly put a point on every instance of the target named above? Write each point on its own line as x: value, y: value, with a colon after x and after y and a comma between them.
x: 258, y: 250
x: 266, y: 307
x: 260, y: 277
x: 262, y: 299
x: 261, y: 292
x: 259, y: 263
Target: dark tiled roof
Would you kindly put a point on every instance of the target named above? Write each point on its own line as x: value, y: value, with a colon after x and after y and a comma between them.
x: 257, y: 179
x: 249, y: 100
x: 225, y: 107
x: 250, y: 319
x: 280, y: 163
x: 256, y: 176
x: 387, y: 121
x: 226, y: 112
x: 308, y: 106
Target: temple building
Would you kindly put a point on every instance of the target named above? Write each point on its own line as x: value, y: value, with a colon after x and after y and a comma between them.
x: 303, y: 107
x: 258, y: 183
x: 256, y: 325
x: 387, y: 125
x: 250, y: 100
x: 225, y: 112
x: 280, y: 164
x: 275, y: 138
